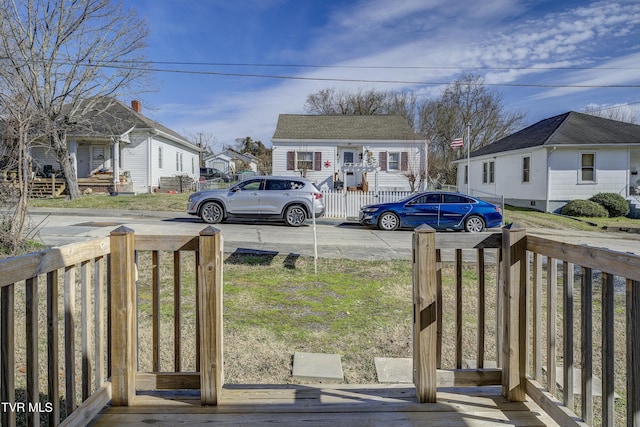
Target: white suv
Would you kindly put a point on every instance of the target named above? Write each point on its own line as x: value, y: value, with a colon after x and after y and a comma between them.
x: 264, y: 197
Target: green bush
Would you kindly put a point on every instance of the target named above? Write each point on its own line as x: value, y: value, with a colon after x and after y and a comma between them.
x: 614, y: 203
x: 584, y: 208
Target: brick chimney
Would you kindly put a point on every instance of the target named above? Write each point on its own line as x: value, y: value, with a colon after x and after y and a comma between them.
x: 136, y: 106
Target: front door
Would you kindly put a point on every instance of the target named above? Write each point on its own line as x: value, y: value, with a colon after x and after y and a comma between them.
x: 351, y: 179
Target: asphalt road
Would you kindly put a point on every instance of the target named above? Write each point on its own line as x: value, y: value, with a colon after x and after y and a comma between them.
x: 335, y: 239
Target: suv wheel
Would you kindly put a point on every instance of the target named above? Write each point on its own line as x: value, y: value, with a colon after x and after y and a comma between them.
x: 211, y: 213
x: 295, y: 215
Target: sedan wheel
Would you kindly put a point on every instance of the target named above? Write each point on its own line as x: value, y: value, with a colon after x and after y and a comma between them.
x: 211, y: 213
x: 474, y: 224
x: 295, y: 216
x: 388, y: 221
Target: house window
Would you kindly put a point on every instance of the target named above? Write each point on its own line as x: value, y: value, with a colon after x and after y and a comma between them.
x: 394, y: 161
x: 193, y: 166
x: 305, y: 160
x: 588, y: 167
x: 179, y: 162
x: 526, y: 168
x: 160, y: 157
x: 466, y: 174
x: 488, y: 172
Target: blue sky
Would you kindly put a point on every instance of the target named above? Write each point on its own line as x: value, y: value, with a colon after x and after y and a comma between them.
x: 522, y: 48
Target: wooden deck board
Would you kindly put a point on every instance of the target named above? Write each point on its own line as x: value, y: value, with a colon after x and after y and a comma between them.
x: 315, y: 405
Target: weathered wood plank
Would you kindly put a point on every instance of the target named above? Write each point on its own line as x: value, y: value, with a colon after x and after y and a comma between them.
x: 617, y: 263
x: 53, y: 382
x: 34, y: 264
x: 567, y: 335
x: 210, y: 306
x: 31, y: 336
x: 514, y: 255
x: 7, y: 353
x: 439, y: 308
x: 484, y: 240
x: 85, y: 320
x: 633, y: 352
x: 155, y: 308
x: 458, y: 342
x: 552, y: 312
x: 586, y: 339
x: 70, y: 337
x: 608, y: 353
x: 170, y: 243
x: 552, y: 406
x: 123, y: 328
x: 480, y: 356
x: 424, y: 313
x: 90, y: 408
x: 536, y: 305
x: 99, y: 319
x: 177, y: 316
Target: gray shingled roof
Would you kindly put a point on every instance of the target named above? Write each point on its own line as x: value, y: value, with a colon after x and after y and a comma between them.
x: 110, y: 117
x: 343, y: 127
x: 566, y: 129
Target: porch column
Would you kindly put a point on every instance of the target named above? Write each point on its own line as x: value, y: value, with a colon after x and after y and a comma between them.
x: 123, y: 328
x: 425, y: 336
x: 514, y: 256
x: 116, y: 163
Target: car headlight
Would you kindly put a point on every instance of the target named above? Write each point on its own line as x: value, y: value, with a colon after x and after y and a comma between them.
x: 193, y: 197
x: 371, y: 209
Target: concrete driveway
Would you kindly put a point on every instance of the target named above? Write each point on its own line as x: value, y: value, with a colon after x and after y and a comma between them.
x: 336, y: 239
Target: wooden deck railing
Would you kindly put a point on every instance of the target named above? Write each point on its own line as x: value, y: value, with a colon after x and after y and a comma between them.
x: 523, y: 306
x: 81, y: 305
x: 88, y: 293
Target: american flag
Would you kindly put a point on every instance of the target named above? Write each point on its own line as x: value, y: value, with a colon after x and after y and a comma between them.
x: 457, y: 143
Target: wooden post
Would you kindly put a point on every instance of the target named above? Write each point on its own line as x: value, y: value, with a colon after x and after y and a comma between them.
x: 424, y: 313
x: 210, y: 318
x: 633, y: 353
x: 514, y: 251
x: 123, y: 321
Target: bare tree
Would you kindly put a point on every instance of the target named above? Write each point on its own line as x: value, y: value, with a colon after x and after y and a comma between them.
x: 63, y: 54
x: 621, y: 113
x: 370, y: 102
x: 465, y: 107
x: 20, y: 128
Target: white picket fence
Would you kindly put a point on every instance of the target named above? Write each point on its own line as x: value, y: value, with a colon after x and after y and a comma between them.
x: 347, y: 204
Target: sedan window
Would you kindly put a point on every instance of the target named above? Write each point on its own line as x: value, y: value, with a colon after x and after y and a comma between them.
x: 426, y: 199
x: 454, y: 198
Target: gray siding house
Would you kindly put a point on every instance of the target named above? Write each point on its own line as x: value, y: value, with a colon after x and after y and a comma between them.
x: 566, y: 157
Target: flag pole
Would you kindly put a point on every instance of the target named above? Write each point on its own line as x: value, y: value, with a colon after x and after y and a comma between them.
x: 468, y: 158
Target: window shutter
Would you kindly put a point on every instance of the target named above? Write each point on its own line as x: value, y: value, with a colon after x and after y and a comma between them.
x: 404, y: 161
x: 291, y: 160
x: 383, y: 160
x: 317, y: 161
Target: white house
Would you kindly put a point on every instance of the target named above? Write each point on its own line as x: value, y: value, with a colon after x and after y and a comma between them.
x: 232, y: 162
x: 116, y: 140
x: 566, y: 157
x: 377, y: 152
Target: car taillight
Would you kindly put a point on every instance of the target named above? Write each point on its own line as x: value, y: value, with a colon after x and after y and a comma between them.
x: 317, y: 196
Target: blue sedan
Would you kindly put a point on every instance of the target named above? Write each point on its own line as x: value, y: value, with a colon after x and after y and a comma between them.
x: 440, y: 210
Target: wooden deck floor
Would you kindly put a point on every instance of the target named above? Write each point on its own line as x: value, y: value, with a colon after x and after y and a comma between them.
x: 328, y: 405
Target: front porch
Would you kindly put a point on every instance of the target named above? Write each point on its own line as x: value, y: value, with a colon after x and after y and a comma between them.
x: 323, y: 404
x: 534, y: 294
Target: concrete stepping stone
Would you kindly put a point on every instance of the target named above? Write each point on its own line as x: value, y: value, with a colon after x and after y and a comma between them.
x: 394, y: 369
x: 317, y: 367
